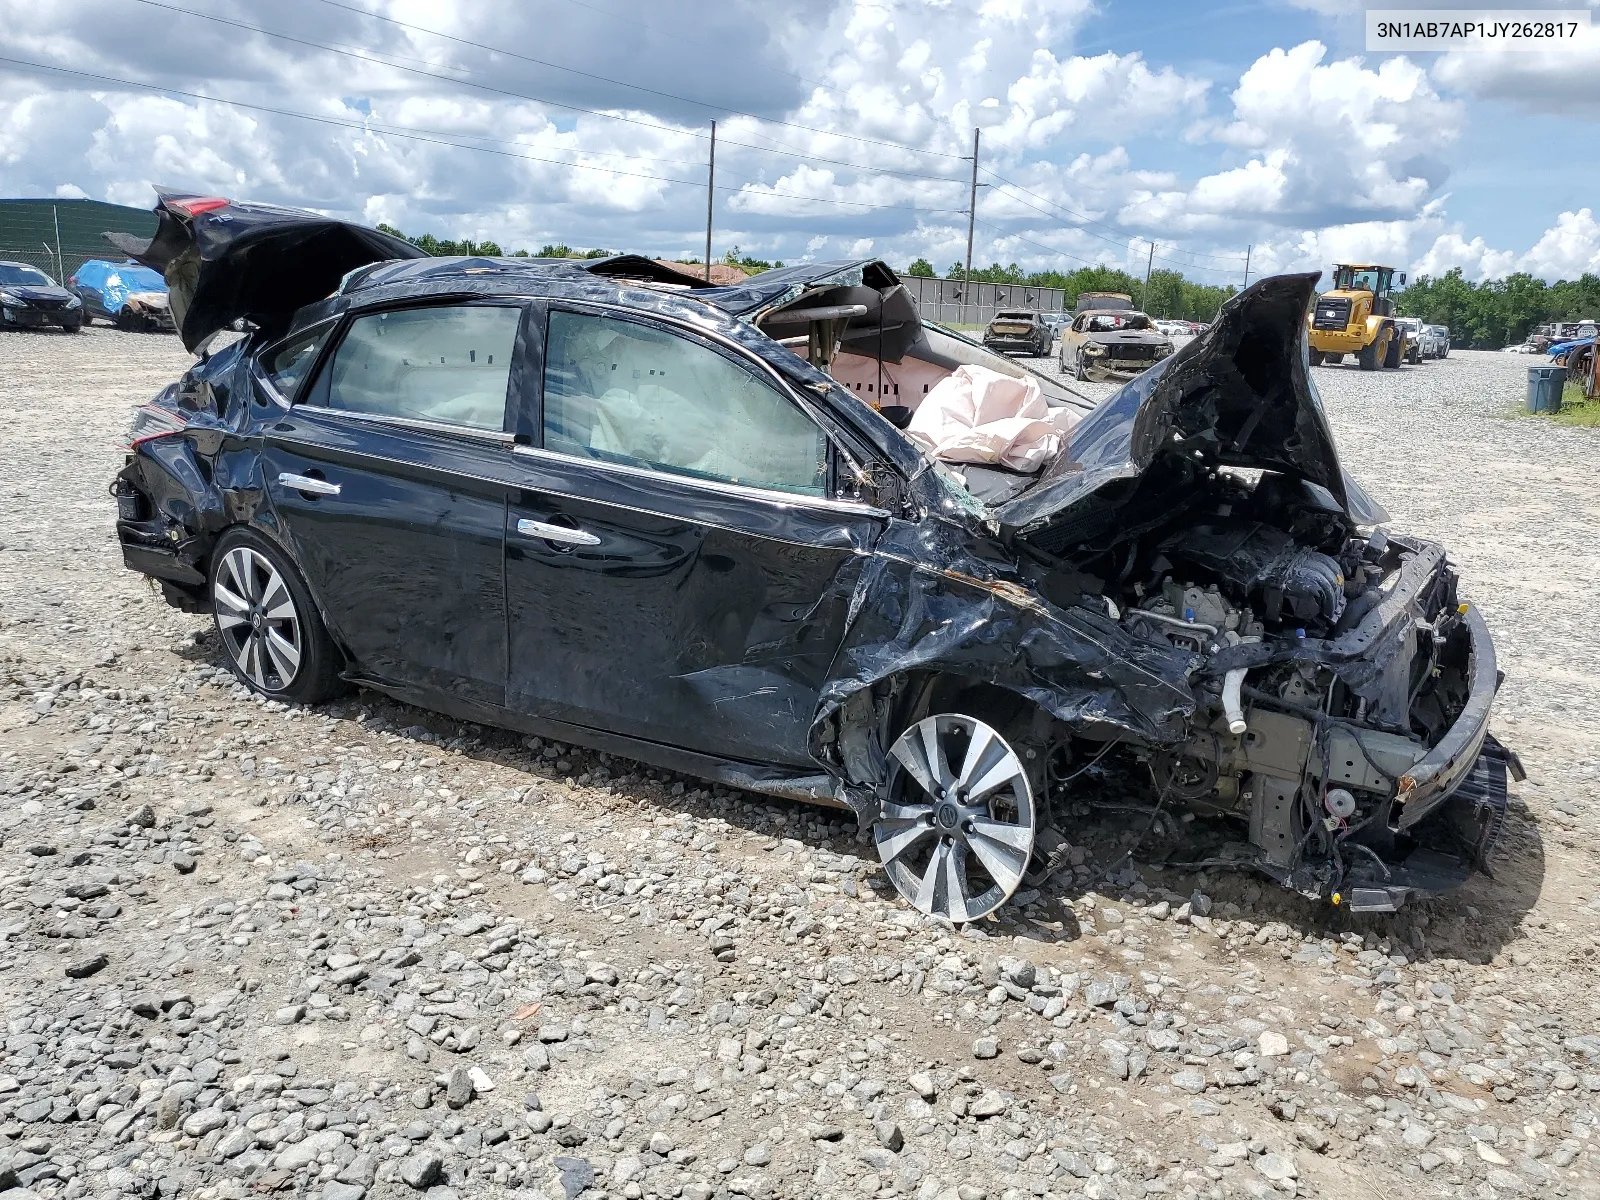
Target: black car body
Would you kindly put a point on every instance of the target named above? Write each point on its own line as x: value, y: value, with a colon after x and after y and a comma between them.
x: 1019, y: 331
x: 30, y: 299
x: 467, y: 483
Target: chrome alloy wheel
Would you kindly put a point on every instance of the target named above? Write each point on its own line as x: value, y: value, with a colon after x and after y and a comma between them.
x: 957, y: 827
x: 257, y: 618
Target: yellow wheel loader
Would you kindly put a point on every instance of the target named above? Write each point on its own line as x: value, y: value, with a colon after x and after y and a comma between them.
x: 1357, y: 317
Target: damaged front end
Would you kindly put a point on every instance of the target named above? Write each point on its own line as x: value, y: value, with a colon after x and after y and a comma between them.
x: 1204, y: 613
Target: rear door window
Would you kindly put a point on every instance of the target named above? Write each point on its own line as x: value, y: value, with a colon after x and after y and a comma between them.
x: 642, y: 396
x: 286, y: 364
x: 450, y: 365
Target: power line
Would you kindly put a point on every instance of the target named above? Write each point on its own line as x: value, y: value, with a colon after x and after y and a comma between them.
x: 411, y: 135
x: 1088, y: 220
x: 1003, y: 233
x: 638, y: 87
x: 699, y: 46
x: 370, y: 57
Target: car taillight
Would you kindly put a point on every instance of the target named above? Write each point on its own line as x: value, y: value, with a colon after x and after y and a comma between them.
x: 195, y: 205
x: 151, y: 421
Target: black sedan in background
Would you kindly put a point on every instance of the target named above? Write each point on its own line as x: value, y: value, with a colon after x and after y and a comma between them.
x: 30, y: 299
x: 612, y: 504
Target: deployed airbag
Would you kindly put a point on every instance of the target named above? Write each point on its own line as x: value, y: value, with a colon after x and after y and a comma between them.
x: 981, y: 416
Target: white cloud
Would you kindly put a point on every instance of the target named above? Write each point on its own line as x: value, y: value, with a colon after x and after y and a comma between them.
x: 1313, y: 158
x: 1569, y: 248
x: 1564, y: 80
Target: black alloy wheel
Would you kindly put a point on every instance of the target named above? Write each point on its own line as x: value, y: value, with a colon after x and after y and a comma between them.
x: 269, y: 627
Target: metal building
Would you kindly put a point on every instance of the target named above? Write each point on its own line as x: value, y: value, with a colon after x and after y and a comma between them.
x: 952, y: 302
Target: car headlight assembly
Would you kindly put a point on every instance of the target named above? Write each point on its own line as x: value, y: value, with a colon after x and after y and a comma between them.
x: 1093, y: 348
x: 74, y: 302
x: 10, y: 299
x: 1164, y: 349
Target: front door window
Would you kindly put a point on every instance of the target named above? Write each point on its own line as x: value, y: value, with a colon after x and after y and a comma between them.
x: 628, y: 393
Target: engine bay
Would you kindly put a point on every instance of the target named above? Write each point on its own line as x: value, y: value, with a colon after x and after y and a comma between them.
x: 1329, y: 660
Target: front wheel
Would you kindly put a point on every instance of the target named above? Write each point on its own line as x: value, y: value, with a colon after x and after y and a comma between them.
x: 958, y: 826
x: 1316, y: 358
x: 1370, y: 358
x: 274, y: 637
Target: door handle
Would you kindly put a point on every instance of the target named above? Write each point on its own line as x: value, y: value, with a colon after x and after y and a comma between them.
x: 305, y: 483
x: 557, y: 533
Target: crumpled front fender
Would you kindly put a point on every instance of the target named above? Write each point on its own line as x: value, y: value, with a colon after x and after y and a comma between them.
x: 925, y: 604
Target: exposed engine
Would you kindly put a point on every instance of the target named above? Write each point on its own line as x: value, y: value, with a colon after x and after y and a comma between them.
x: 1329, y: 661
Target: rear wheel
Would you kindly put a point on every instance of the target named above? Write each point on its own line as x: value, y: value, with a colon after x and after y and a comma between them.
x: 273, y: 635
x: 958, y: 826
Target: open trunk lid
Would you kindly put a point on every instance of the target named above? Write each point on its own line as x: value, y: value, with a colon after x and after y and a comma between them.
x: 224, y: 260
x: 1240, y: 394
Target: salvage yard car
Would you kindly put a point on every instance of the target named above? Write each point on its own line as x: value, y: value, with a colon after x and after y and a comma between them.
x: 1112, y: 344
x: 1019, y: 330
x: 131, y: 297
x: 30, y: 299
x: 611, y: 504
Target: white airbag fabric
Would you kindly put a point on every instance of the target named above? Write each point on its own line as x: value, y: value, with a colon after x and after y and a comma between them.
x: 976, y: 415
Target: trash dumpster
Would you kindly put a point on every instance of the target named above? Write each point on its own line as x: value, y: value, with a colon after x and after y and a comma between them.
x: 1544, y: 388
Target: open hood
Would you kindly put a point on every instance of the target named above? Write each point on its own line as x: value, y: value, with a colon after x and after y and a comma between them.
x: 224, y: 260
x: 1240, y: 395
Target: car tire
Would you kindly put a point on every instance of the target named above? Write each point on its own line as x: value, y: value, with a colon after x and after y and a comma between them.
x: 1391, y: 356
x: 1368, y: 357
x: 268, y: 624
x: 1079, y: 371
x: 949, y: 854
x: 1333, y: 360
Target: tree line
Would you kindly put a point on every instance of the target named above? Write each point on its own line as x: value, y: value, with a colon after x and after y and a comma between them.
x: 1168, y: 293
x: 1488, y: 315
x: 466, y: 247
x: 1497, y: 312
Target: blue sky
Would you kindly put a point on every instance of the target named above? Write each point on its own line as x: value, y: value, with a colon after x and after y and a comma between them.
x: 1109, y: 127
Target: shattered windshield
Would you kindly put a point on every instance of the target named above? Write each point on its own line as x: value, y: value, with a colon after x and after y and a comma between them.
x: 1111, y: 322
x: 14, y: 274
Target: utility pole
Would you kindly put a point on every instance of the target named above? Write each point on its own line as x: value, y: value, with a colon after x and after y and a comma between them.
x: 972, y: 215
x: 1247, y: 250
x: 1144, y: 300
x: 61, y: 265
x: 711, y: 193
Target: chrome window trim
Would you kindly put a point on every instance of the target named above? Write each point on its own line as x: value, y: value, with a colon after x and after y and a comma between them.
x: 737, y: 490
x: 497, y: 436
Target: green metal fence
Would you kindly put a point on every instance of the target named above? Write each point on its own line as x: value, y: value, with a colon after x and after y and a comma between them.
x: 57, y: 236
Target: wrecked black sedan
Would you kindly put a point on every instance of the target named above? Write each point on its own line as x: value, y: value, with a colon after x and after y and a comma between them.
x: 608, y: 503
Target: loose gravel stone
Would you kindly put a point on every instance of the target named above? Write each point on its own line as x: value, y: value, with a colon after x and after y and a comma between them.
x: 706, y: 992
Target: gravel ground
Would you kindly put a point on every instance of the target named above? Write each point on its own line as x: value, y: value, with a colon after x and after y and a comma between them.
x: 367, y: 951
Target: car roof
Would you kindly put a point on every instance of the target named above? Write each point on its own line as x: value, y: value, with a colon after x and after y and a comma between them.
x: 719, y: 311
